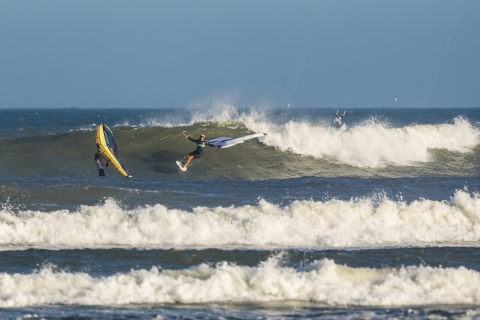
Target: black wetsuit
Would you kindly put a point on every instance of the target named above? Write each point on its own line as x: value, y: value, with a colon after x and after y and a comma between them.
x: 200, y: 145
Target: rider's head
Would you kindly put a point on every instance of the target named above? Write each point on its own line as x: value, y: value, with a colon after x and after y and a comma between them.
x: 202, y: 137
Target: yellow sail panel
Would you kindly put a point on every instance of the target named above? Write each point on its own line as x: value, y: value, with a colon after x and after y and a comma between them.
x: 108, y: 148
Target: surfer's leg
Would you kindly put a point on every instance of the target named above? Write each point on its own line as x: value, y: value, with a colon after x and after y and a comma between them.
x: 188, y: 158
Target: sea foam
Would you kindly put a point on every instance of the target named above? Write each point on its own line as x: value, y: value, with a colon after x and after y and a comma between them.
x: 362, y: 222
x: 371, y: 145
x: 322, y: 283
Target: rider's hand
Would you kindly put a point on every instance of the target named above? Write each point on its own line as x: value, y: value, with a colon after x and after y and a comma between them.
x: 183, y: 134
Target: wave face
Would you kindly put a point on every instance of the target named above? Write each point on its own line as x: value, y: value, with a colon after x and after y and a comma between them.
x: 309, y: 224
x: 322, y: 282
x: 302, y: 144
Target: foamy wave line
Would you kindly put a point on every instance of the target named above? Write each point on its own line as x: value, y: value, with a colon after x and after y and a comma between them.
x: 371, y: 145
x: 90, y: 127
x: 314, y: 224
x: 322, y: 282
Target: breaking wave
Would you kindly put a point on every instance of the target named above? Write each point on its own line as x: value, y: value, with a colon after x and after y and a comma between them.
x: 372, y: 145
x: 322, y: 282
x: 291, y: 148
x: 366, y: 222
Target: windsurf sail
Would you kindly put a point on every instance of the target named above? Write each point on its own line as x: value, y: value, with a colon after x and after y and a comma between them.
x: 227, y: 142
x: 108, y: 148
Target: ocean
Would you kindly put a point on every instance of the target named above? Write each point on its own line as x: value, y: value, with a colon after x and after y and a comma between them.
x: 378, y: 219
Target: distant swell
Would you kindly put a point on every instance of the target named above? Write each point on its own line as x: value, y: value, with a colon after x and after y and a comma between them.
x: 312, y: 224
x: 322, y: 282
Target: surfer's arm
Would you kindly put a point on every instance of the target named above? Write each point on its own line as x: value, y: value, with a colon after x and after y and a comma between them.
x: 99, y: 157
x: 191, y: 139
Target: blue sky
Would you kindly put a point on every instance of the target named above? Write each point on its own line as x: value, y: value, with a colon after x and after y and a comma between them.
x: 153, y: 54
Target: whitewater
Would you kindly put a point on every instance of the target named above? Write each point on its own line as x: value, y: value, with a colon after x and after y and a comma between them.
x: 322, y: 282
x: 307, y: 224
x: 371, y: 145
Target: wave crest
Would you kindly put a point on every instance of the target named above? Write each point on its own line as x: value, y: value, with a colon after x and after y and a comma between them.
x: 322, y: 282
x: 372, y: 145
x: 312, y: 224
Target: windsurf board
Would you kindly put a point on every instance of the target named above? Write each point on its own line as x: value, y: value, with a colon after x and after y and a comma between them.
x: 227, y: 142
